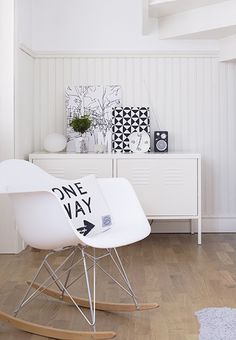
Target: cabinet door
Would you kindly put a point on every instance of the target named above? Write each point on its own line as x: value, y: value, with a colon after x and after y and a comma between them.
x: 75, y: 168
x: 165, y: 187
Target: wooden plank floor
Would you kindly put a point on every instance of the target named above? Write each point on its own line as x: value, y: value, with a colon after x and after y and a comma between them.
x: 169, y: 269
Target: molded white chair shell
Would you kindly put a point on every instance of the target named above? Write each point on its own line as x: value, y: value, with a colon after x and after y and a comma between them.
x: 42, y: 222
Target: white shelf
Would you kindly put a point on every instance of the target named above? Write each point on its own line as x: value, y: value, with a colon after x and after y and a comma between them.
x: 148, y: 155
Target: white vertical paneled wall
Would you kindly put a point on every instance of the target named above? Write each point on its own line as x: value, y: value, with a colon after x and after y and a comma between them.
x: 24, y: 104
x: 191, y: 96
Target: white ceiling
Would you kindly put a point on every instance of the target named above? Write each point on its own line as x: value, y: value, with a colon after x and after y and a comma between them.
x: 161, y: 8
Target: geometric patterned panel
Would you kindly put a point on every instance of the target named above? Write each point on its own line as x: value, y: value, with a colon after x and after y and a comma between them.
x: 126, y: 120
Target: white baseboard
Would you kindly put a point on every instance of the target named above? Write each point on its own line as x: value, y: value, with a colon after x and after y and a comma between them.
x: 209, y: 225
x: 219, y: 224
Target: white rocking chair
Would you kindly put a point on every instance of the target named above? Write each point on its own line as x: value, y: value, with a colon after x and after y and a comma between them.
x: 43, y: 224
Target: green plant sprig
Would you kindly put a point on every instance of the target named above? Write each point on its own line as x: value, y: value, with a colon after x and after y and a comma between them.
x: 81, y: 124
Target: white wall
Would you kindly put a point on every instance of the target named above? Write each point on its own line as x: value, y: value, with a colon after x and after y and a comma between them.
x: 9, y: 241
x: 24, y: 80
x: 24, y: 105
x: 77, y: 25
x: 23, y: 20
x: 7, y: 79
x: 16, y: 103
x: 228, y: 48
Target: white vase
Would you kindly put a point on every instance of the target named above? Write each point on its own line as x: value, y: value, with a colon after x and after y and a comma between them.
x: 99, y: 148
x: 81, y: 145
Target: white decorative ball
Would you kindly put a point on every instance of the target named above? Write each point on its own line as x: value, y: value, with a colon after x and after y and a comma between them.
x: 54, y: 142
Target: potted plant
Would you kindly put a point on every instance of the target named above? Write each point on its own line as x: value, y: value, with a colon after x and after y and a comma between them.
x: 81, y: 125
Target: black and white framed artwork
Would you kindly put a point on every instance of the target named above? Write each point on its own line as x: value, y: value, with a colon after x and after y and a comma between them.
x: 126, y: 120
x: 96, y: 101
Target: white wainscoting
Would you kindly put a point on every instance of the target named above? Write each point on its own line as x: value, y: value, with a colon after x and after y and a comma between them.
x: 190, y: 95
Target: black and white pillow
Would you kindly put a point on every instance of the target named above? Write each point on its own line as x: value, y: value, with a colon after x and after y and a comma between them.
x: 84, y: 204
x: 126, y: 120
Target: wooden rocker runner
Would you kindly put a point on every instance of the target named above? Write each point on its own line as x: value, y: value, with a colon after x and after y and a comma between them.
x: 71, y: 217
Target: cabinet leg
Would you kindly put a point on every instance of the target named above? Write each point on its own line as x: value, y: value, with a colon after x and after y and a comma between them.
x: 199, y: 231
x: 192, y: 225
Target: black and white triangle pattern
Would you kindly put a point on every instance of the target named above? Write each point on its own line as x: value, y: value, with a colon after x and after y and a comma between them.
x: 126, y: 120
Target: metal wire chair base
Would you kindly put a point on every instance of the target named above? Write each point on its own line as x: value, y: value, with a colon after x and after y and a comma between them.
x: 61, y: 277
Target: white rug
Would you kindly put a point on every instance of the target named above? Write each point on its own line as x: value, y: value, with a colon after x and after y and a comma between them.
x: 217, y: 323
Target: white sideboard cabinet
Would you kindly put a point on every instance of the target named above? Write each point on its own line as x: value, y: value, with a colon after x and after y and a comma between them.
x: 168, y: 185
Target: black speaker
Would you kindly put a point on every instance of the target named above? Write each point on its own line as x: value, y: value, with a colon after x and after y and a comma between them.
x: 161, y: 141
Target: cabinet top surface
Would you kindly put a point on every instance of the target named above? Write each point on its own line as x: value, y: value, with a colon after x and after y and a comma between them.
x: 150, y: 155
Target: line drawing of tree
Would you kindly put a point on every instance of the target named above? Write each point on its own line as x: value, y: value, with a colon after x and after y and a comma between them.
x: 95, y: 100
